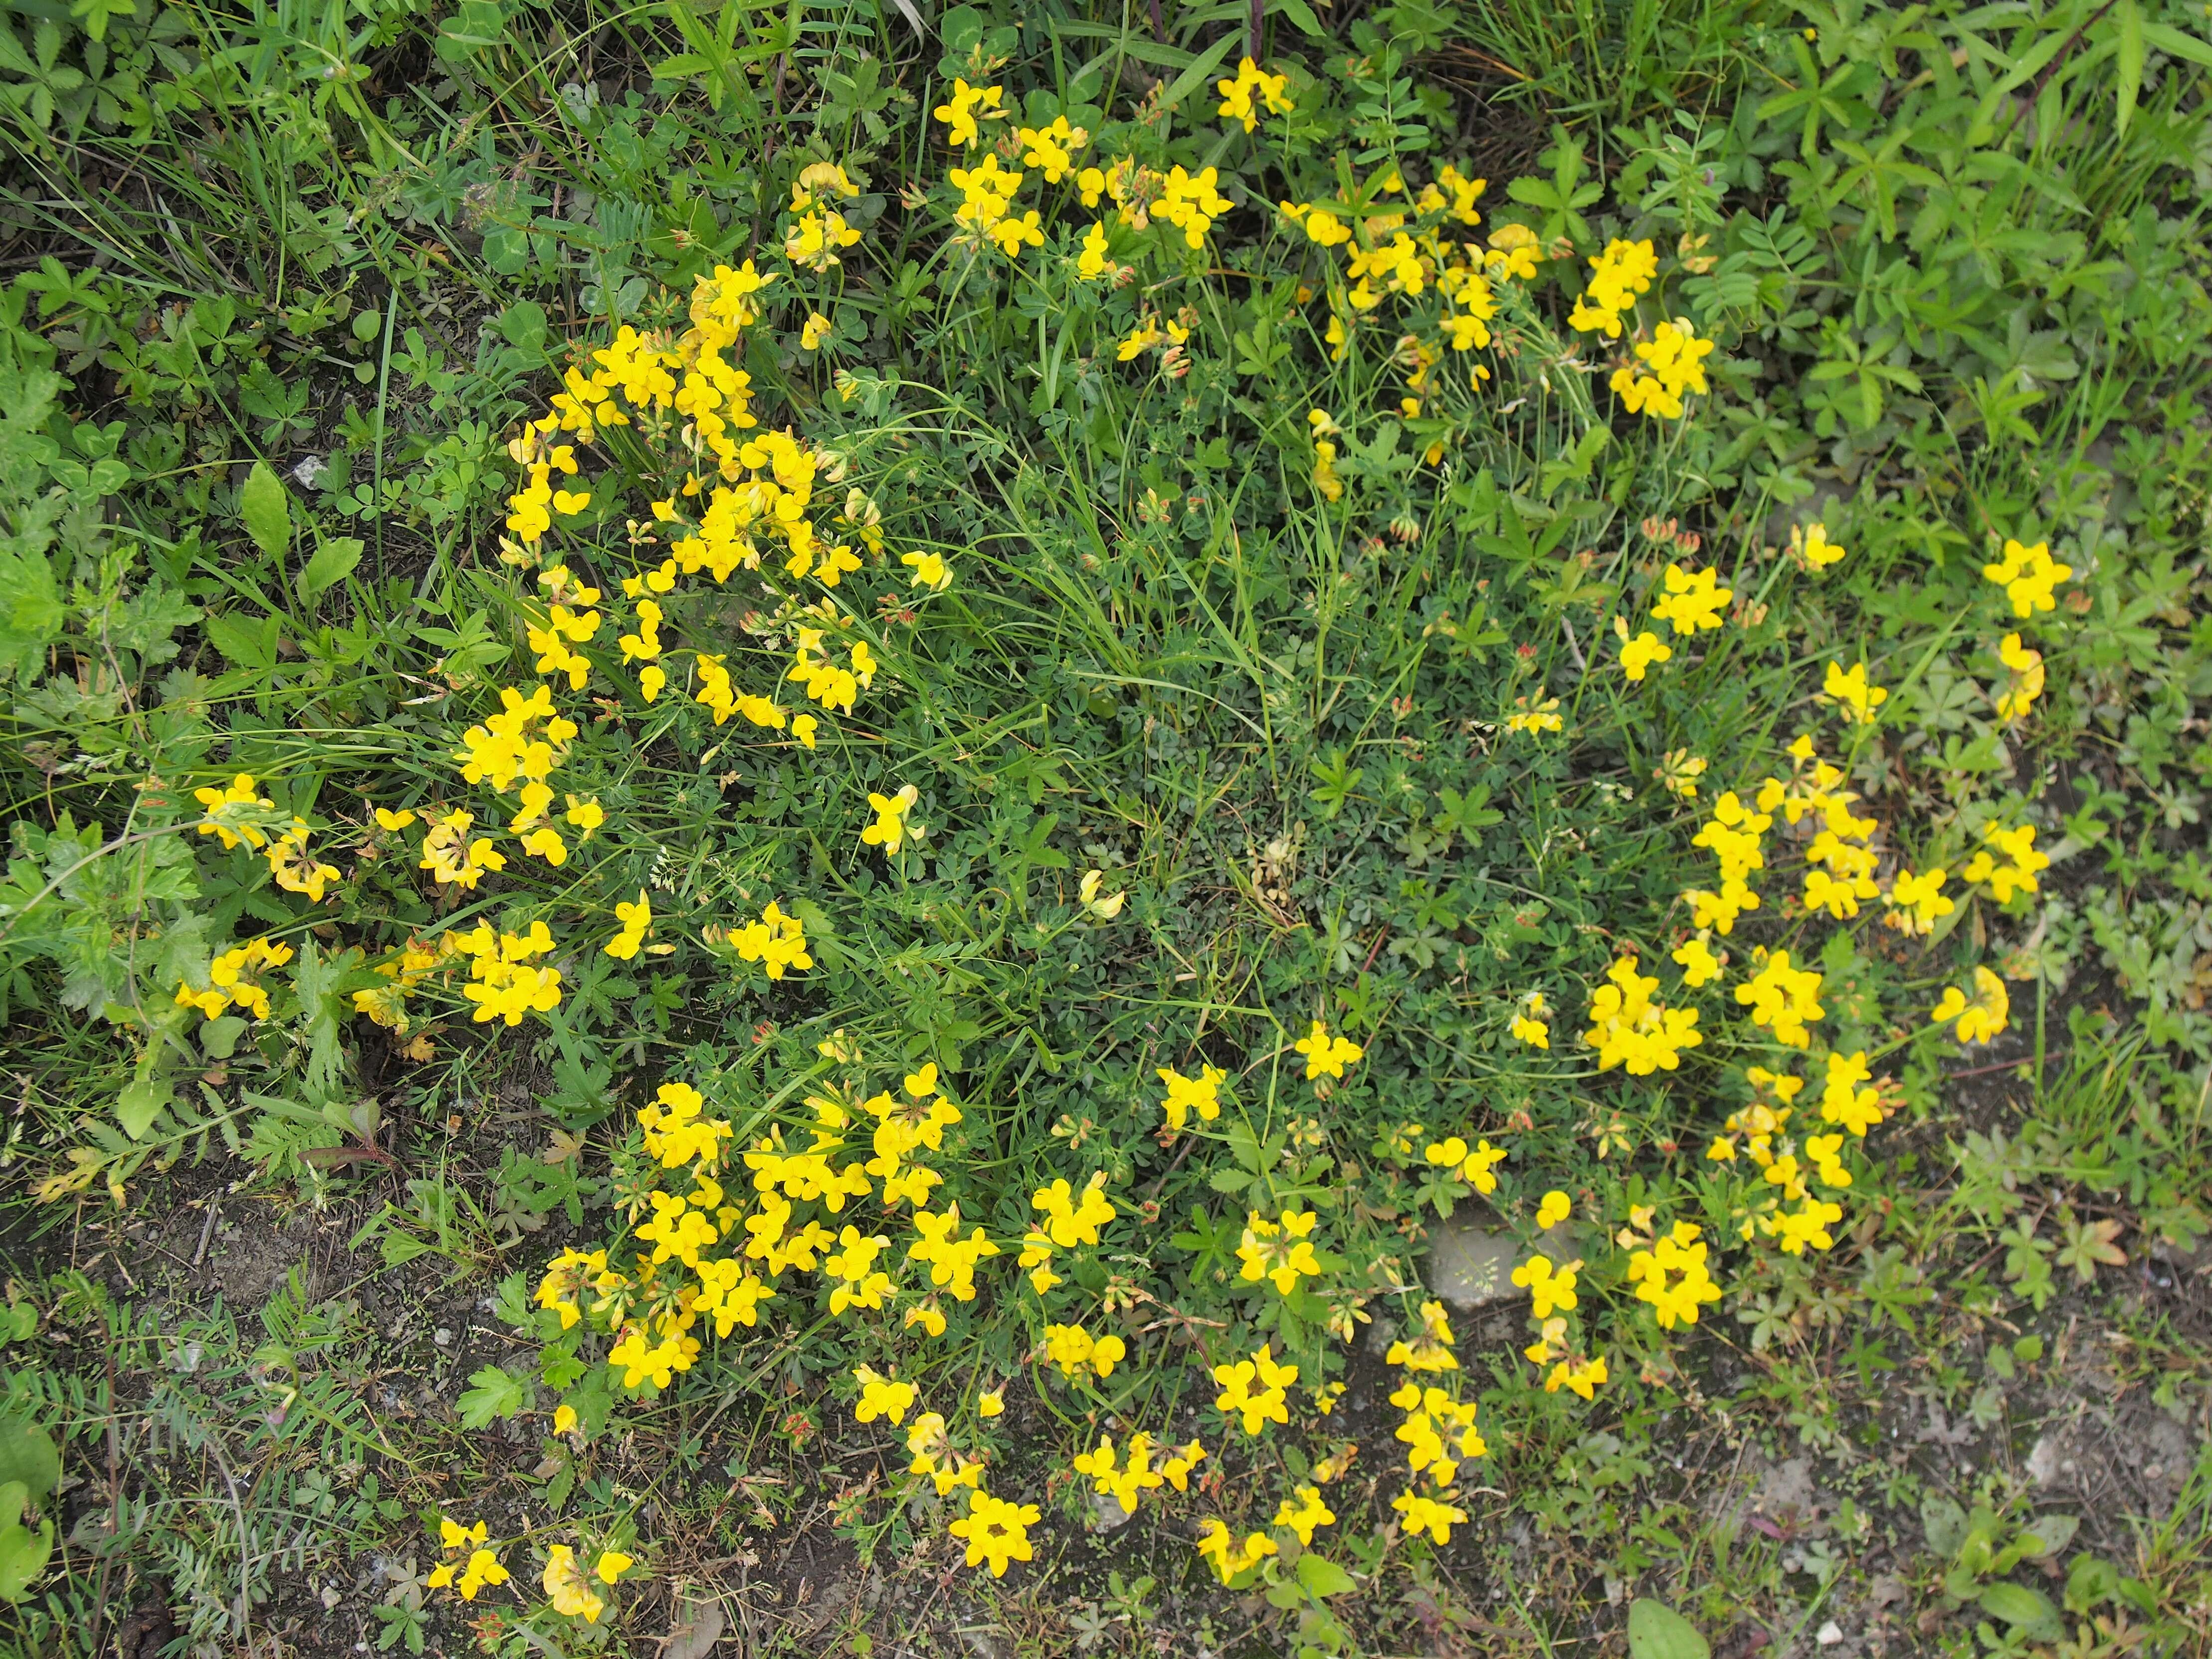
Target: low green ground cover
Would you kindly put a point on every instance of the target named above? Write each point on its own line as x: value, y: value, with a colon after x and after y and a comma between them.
x: 804, y: 802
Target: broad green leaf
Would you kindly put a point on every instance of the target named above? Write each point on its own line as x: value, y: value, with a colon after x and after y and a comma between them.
x: 334, y: 560
x: 1944, y: 1525
x: 27, y: 1455
x: 523, y: 324
x: 266, y: 509
x: 1322, y: 1576
x: 31, y: 610
x: 2023, y: 1609
x: 140, y: 1103
x: 23, y: 1557
x: 244, y: 644
x: 1657, y: 1631
x: 493, y: 1393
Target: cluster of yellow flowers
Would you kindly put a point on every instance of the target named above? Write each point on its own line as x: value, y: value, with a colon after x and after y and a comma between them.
x: 1200, y: 1094
x: 2028, y: 576
x: 1407, y: 247
x: 986, y: 214
x: 1667, y: 366
x: 1255, y: 1390
x: 1673, y: 364
x: 1280, y: 1251
x: 1980, y: 1017
x: 1672, y: 1276
x: 502, y: 982
x: 1439, y: 1431
x: 237, y: 812
x: 1125, y: 1476
x: 1627, y: 1028
x: 233, y: 980
x: 470, y: 1564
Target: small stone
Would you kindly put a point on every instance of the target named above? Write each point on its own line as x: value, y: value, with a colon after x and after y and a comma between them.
x: 1829, y: 1634
x: 442, y: 1337
x: 1469, y: 1265
x: 2043, y: 1463
x: 310, y: 471
x: 1108, y: 1512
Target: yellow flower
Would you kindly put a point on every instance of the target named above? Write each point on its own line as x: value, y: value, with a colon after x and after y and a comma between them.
x: 1095, y: 261
x: 1850, y: 692
x: 992, y: 1402
x: 1327, y: 1055
x: 1782, y: 997
x: 1072, y: 1349
x: 1639, y: 653
x: 1583, y: 1379
x: 1555, y: 1208
x: 996, y: 1531
x: 394, y: 821
x: 2017, y: 871
x: 1305, y: 1514
x: 564, y: 1418
x: 1916, y: 902
x: 959, y: 112
x: 2025, y: 668
x: 635, y: 919
x: 1535, y: 713
x: 1237, y: 94
x: 2028, y: 574
x: 1280, y: 1250
x: 1548, y: 1288
x: 1699, y: 965
x: 880, y: 1396
x: 1069, y: 1220
x: 571, y: 1592
x: 1201, y: 1093
x: 294, y: 870
x: 1255, y: 1389
x: 1810, y: 544
x: 230, y: 812
x: 1691, y: 600
x: 816, y: 330
x: 1982, y: 1016
x: 1473, y: 1167
x: 1428, y: 1515
x: 891, y: 831
x: 1219, y: 1547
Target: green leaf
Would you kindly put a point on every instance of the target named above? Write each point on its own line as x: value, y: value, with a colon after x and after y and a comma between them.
x: 494, y: 1393
x: 31, y: 610
x: 1944, y: 1525
x: 266, y: 509
x: 27, y: 1455
x: 244, y: 644
x: 2023, y: 1609
x: 1657, y: 1631
x: 140, y: 1103
x: 334, y: 560
x: 523, y: 324
x: 1322, y: 1576
x: 23, y: 1557
x: 219, y: 1036
x: 2129, y: 23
